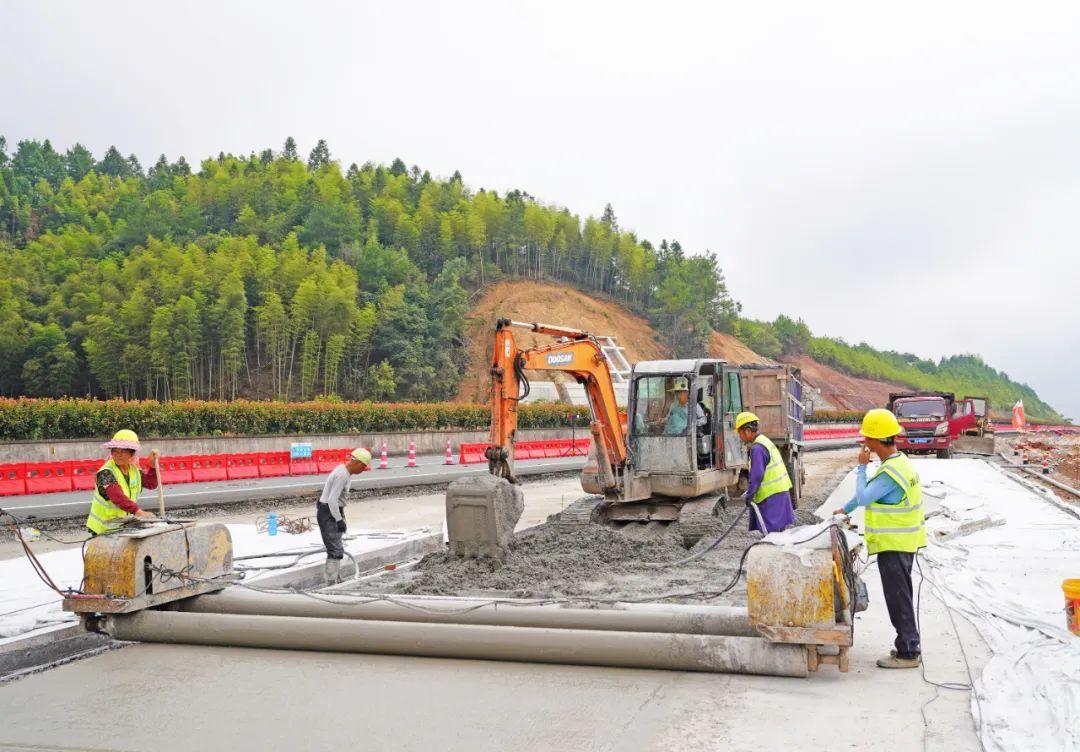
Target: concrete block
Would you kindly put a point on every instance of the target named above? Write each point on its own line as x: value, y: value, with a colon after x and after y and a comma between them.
x: 481, y: 514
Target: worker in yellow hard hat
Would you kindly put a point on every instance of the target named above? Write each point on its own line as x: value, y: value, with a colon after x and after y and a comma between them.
x: 330, y: 509
x: 895, y: 528
x: 769, y: 491
x: 118, y: 483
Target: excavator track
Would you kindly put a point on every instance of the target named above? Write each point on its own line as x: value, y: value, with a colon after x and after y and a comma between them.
x: 579, y: 514
x: 696, y: 518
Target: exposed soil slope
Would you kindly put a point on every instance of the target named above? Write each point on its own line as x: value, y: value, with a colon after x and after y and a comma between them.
x: 733, y: 350
x: 523, y: 300
x: 843, y: 391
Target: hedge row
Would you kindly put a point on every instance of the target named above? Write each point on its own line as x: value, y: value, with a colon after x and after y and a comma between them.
x: 836, y: 416
x: 32, y: 419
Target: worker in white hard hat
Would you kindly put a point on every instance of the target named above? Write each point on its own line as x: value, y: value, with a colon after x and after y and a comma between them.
x: 330, y: 509
x: 118, y: 483
x: 677, y: 416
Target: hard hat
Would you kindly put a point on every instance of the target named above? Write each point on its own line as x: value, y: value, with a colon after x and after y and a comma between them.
x: 680, y: 385
x: 879, y: 423
x: 361, y: 455
x: 123, y: 439
x: 743, y: 418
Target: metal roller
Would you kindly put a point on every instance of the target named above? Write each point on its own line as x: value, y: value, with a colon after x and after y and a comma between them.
x: 670, y: 618
x: 678, y: 652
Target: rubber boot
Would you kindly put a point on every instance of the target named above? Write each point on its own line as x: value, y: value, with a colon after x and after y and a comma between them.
x: 332, y: 569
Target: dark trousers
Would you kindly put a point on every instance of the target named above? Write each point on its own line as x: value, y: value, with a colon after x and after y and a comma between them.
x: 895, y: 569
x: 328, y: 528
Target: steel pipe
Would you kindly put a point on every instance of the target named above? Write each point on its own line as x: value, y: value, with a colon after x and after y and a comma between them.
x: 677, y: 652
x: 629, y: 617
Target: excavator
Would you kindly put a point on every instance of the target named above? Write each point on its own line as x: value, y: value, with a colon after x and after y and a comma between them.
x: 645, y: 465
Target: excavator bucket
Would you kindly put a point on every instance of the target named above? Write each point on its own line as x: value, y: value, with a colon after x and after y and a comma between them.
x: 481, y: 513
x: 975, y: 444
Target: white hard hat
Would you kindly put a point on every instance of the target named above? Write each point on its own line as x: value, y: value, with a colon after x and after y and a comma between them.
x: 680, y: 385
x: 361, y: 455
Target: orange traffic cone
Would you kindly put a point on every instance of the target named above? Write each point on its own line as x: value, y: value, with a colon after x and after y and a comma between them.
x: 449, y: 454
x: 383, y: 464
x: 412, y: 454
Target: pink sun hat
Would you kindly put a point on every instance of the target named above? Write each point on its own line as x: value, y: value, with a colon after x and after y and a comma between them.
x: 123, y: 439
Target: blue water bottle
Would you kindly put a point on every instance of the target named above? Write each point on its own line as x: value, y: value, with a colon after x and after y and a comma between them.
x: 271, y: 524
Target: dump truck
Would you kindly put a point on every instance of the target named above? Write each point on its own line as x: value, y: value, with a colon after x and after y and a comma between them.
x: 643, y: 466
x: 938, y: 423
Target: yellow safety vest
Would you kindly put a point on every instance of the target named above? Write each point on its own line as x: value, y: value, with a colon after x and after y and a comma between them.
x: 897, y: 527
x: 102, y: 509
x: 776, y: 477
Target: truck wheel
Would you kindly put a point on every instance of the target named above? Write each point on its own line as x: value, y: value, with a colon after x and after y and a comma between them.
x: 944, y: 454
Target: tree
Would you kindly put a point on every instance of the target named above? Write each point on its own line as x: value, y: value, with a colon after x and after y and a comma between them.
x: 79, y: 161
x: 113, y: 164
x: 320, y: 156
x: 289, y: 151
x: 50, y: 367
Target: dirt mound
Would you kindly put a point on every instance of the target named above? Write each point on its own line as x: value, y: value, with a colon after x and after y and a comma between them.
x: 733, y: 350
x: 523, y: 300
x: 842, y: 391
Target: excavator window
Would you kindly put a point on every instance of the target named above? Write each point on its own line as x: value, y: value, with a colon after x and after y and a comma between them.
x: 658, y: 410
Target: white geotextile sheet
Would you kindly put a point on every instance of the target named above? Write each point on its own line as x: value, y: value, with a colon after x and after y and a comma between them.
x: 1006, y: 579
x: 27, y: 604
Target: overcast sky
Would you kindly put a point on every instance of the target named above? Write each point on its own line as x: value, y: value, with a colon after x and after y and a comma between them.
x: 905, y: 173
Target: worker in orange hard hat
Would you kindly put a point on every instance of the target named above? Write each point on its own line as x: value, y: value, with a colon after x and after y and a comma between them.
x: 895, y: 528
x: 330, y: 510
x: 119, y: 482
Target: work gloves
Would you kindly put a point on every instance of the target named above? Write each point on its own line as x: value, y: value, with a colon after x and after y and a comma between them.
x: 341, y: 526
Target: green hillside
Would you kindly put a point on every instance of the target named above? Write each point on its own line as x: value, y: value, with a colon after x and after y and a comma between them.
x: 961, y: 374
x: 272, y: 276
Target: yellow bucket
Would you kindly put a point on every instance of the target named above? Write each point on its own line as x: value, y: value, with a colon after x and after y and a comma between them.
x: 1072, y: 604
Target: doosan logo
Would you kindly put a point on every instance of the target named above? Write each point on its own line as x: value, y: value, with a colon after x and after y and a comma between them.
x: 560, y: 359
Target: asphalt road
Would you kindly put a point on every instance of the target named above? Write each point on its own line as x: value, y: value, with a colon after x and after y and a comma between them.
x: 431, y: 471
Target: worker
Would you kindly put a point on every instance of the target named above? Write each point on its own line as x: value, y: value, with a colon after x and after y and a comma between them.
x: 330, y: 510
x: 118, y: 483
x: 677, y: 414
x: 894, y: 526
x: 769, y: 489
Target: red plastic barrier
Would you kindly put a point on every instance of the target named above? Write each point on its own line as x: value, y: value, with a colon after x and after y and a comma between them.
x: 581, y: 446
x: 472, y: 454
x: 176, y: 469
x: 273, y: 464
x: 48, y: 477
x: 327, y: 459
x: 239, y: 466
x: 526, y: 450
x: 206, y: 467
x: 840, y: 432
x: 552, y: 449
x: 306, y: 466
x: 13, y: 479
x: 83, y: 472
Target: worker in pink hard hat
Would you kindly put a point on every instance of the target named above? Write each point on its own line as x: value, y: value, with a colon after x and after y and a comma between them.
x: 330, y: 509
x: 119, y: 482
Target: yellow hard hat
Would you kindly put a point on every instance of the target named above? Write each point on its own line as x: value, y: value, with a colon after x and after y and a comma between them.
x: 879, y: 423
x: 743, y: 418
x: 361, y: 455
x: 123, y: 439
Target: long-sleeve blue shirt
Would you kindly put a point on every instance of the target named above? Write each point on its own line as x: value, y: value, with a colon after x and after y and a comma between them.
x: 882, y: 489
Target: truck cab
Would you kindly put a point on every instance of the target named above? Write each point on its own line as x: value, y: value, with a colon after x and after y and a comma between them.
x: 925, y: 418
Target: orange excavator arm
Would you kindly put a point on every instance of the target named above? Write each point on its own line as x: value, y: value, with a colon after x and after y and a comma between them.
x: 577, y: 354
